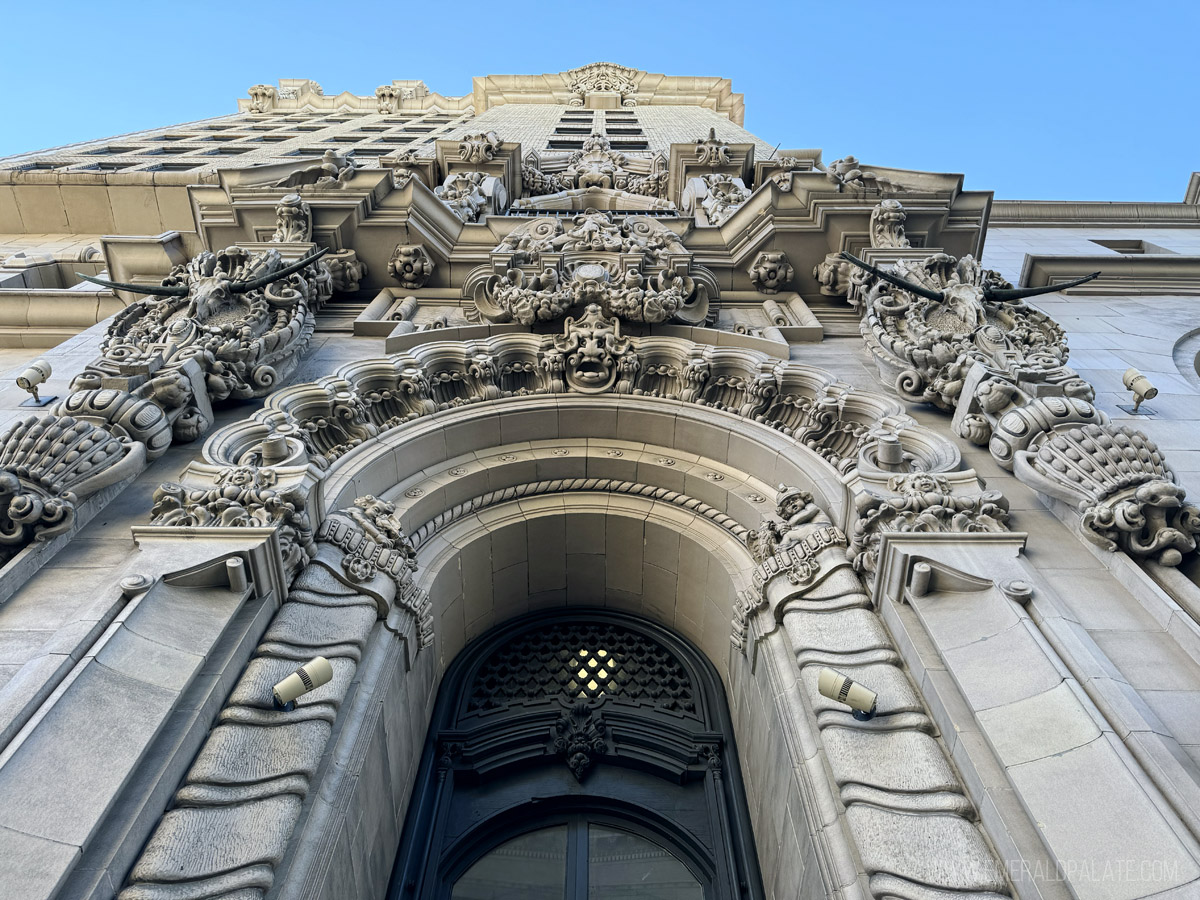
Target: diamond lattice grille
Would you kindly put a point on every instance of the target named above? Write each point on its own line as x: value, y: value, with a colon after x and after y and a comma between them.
x: 583, y: 661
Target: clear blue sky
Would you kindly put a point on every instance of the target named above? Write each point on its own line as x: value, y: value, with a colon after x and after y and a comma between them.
x: 1045, y: 100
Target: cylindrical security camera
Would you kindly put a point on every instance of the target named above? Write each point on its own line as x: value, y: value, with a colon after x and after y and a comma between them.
x: 39, y: 370
x: 1140, y: 385
x: 308, y: 677
x: 845, y: 689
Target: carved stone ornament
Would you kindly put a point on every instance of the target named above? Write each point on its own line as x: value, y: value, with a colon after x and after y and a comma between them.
x: 632, y: 267
x: 374, y: 545
x: 262, y: 98
x: 594, y: 167
x: 479, y: 148
x: 579, y: 737
x: 334, y: 170
x: 293, y: 220
x: 411, y: 266
x: 225, y: 325
x: 834, y: 274
x: 246, y: 497
x: 925, y: 343
x: 224, y: 796
x: 839, y: 276
x: 887, y: 225
x: 470, y: 195
x: 712, y: 151
x: 593, y: 355
x: 387, y: 96
x: 718, y: 195
x: 48, y: 465
x: 791, y: 542
x: 921, y: 502
x: 602, y: 77
x: 770, y: 271
x: 960, y: 337
x: 346, y: 271
x: 1115, y: 476
x: 847, y: 174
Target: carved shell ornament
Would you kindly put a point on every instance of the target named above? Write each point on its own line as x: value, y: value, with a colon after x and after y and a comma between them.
x: 46, y: 463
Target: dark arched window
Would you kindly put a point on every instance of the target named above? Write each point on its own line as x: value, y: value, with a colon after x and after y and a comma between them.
x: 577, y: 756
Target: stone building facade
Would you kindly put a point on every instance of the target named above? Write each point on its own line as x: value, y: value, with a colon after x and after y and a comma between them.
x: 580, y: 430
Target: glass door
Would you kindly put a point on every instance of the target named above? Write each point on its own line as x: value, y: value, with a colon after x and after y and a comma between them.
x: 579, y: 860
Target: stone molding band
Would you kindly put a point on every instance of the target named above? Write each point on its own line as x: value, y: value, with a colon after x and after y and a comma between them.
x: 574, y: 485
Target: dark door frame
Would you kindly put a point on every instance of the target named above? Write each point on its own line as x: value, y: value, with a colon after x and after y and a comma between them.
x: 670, y: 762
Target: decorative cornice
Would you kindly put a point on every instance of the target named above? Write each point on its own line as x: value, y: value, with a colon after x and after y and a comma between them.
x: 1124, y: 274
x: 1112, y: 214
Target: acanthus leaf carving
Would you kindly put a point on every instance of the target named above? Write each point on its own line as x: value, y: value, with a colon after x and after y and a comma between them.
x: 595, y: 166
x: 293, y: 220
x: 224, y: 325
x: 241, y: 497
x: 887, y: 225
x: 602, y: 77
